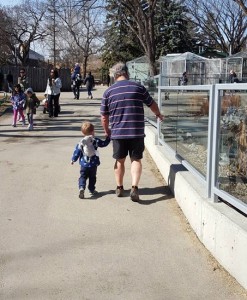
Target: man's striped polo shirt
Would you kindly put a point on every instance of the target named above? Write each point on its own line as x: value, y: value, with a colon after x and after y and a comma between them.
x: 123, y: 102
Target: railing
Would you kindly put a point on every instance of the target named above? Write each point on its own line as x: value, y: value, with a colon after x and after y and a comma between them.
x: 206, y: 128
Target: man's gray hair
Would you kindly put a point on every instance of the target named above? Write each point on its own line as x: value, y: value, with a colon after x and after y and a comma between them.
x: 119, y: 69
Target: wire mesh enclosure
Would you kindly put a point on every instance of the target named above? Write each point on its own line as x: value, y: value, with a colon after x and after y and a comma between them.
x: 139, y: 69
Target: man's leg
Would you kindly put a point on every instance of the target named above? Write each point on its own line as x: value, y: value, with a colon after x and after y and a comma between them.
x: 119, y: 169
x: 136, y: 171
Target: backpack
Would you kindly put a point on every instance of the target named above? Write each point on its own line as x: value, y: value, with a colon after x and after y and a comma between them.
x: 87, y: 147
x: 78, y: 80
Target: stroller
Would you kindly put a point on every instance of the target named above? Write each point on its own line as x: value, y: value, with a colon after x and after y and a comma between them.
x: 45, y: 104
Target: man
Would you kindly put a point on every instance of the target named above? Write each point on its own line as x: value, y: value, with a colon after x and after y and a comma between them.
x: 122, y: 108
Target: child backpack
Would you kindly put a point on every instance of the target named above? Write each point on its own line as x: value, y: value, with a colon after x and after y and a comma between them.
x: 87, y: 147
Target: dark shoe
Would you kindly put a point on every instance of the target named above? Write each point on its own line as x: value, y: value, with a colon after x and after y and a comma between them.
x: 134, y: 194
x: 120, y: 191
x: 81, y: 194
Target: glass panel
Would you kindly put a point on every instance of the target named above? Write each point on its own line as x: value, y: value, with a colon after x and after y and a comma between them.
x: 192, y: 128
x: 185, y: 127
x: 232, y: 157
x: 168, y: 128
x: 152, y: 87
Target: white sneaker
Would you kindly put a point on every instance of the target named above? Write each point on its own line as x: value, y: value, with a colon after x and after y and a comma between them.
x: 93, y: 193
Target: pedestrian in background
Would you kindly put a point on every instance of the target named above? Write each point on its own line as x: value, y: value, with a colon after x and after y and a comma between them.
x: 184, y: 79
x: 53, y: 89
x: 89, y: 82
x: 32, y: 102
x: 122, y: 107
x: 18, y: 100
x: 10, y: 82
x: 22, y: 79
x: 76, y: 81
x: 233, y: 77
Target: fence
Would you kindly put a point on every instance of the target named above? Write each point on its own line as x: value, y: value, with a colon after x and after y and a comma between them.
x: 206, y: 128
x: 37, y: 77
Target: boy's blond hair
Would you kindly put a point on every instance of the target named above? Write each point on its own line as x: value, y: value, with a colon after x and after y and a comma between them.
x: 87, y: 128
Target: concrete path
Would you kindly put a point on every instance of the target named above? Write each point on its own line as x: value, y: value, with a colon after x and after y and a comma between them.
x: 54, y: 245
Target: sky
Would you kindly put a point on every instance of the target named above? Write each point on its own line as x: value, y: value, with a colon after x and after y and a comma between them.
x: 9, y: 2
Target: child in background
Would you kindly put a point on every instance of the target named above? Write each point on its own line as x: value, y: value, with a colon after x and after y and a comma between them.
x: 32, y: 103
x: 86, y: 152
x: 18, y: 100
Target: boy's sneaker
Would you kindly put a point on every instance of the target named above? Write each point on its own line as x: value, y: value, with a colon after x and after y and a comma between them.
x: 120, y: 191
x: 81, y: 194
x: 134, y: 194
x: 13, y: 125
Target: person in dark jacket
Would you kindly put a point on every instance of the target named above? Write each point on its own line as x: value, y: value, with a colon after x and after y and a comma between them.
x: 10, y: 81
x: 233, y: 77
x: 89, y: 82
x: 32, y: 102
x: 76, y: 81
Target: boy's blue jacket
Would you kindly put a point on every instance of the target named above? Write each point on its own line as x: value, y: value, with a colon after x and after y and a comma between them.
x: 94, y: 160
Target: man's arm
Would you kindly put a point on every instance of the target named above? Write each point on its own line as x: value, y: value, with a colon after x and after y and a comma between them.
x: 155, y: 109
x: 105, y: 124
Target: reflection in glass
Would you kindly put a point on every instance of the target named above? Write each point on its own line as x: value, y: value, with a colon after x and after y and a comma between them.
x: 185, y: 127
x: 232, y: 160
x: 152, y: 86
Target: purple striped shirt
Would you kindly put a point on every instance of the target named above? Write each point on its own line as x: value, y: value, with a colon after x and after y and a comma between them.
x: 123, y: 102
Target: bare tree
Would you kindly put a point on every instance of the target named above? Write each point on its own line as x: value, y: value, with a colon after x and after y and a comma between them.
x: 220, y: 23
x: 81, y: 28
x: 242, y: 5
x: 6, y: 53
x: 141, y: 23
x: 24, y: 27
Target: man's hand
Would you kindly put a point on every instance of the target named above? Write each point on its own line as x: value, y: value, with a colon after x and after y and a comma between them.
x: 160, y: 117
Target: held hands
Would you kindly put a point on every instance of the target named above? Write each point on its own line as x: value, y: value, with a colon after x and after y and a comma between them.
x: 108, y: 132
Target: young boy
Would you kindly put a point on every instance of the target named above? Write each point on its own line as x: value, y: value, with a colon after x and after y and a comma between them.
x: 32, y: 102
x: 86, y: 152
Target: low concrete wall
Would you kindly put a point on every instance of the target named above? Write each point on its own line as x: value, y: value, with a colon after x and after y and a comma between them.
x: 220, y: 228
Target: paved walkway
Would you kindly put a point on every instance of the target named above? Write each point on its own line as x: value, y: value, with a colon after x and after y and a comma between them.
x: 57, y: 246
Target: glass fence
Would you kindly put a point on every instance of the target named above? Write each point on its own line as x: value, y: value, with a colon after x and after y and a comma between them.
x: 185, y: 127
x: 230, y: 154
x: 206, y: 127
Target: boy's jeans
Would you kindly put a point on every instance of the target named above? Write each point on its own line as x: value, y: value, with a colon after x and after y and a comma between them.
x: 90, y: 174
